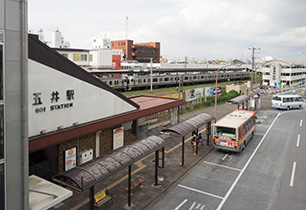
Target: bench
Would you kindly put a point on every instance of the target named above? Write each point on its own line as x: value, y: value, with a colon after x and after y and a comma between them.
x: 137, y: 182
x: 102, y: 198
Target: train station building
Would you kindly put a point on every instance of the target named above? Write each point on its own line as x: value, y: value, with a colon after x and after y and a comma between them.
x: 74, y: 117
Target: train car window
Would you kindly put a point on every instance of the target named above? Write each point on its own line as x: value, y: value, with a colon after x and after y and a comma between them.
x: 110, y: 82
x: 194, y: 77
x: 186, y: 78
x: 202, y: 77
x: 144, y: 80
x: 166, y: 79
x: 155, y: 80
x: 171, y: 79
x: 160, y: 79
x: 139, y: 80
x: 149, y: 80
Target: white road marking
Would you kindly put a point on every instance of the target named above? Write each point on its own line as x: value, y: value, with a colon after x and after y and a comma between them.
x: 199, y: 191
x: 192, y: 206
x: 181, y: 204
x: 225, y: 157
x: 202, y: 207
x: 298, y: 141
x: 292, y: 174
x: 301, y: 123
x: 228, y: 167
x: 246, y: 165
x: 198, y: 206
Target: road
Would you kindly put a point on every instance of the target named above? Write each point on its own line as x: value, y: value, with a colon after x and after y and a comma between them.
x: 268, y: 174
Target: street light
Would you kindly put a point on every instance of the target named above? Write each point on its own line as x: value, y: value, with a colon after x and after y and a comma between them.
x: 216, y: 92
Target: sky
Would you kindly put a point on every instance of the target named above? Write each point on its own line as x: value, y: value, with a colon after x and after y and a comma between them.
x: 197, y: 29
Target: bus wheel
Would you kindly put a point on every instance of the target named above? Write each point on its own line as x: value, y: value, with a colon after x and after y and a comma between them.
x: 288, y: 107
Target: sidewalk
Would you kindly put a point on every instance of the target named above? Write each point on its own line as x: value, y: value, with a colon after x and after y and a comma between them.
x: 142, y: 197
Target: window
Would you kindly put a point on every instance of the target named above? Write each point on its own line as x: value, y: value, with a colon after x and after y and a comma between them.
x: 155, y: 80
x: 65, y: 55
x: 2, y: 193
x: 76, y: 57
x: 84, y: 57
x: 160, y: 79
x: 90, y: 57
x: 166, y: 79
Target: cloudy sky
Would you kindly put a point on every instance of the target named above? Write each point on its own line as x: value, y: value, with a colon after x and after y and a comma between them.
x: 198, y: 29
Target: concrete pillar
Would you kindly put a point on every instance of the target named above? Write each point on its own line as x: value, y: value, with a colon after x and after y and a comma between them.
x: 135, y: 127
x: 98, y: 144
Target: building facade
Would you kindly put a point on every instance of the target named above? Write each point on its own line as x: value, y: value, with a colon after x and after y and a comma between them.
x: 141, y: 52
x: 101, y: 58
x: 14, y: 192
x: 283, y: 73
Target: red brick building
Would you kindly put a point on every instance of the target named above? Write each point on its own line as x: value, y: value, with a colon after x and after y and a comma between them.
x: 141, y: 52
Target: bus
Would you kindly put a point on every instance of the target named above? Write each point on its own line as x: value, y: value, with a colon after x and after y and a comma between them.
x: 234, y: 131
x: 287, y: 101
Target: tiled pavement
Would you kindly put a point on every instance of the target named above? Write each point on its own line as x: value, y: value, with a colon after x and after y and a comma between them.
x: 142, y: 197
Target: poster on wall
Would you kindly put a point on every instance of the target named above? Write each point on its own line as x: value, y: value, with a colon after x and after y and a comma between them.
x: 118, y: 136
x: 194, y: 94
x: 210, y: 91
x: 70, y: 158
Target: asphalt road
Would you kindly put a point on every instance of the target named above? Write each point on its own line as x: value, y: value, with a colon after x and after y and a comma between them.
x: 269, y: 174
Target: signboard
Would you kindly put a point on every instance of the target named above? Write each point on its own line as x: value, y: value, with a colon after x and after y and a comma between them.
x: 118, y: 136
x: 194, y: 94
x: 210, y: 91
x: 70, y: 158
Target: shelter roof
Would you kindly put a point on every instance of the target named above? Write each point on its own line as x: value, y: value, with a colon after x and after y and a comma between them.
x: 89, y: 174
x: 190, y: 125
x: 239, y: 99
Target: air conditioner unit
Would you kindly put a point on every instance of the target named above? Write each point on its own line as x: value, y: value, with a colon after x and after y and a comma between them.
x: 86, y: 156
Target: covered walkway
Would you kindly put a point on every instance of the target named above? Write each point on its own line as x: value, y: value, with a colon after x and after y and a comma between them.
x: 242, y: 100
x: 86, y: 176
x: 191, y: 126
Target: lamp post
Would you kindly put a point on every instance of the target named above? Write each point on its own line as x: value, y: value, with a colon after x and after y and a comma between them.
x: 216, y: 92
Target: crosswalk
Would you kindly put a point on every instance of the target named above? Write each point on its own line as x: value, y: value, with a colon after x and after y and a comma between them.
x: 193, y: 205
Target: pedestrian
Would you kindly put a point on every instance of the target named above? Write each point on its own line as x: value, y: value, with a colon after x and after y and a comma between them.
x: 200, y: 139
x: 194, y: 143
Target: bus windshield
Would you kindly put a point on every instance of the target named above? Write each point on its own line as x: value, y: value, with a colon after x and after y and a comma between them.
x: 225, y: 131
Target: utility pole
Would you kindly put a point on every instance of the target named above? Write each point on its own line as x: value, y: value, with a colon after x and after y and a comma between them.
x: 151, y: 76
x: 253, y: 58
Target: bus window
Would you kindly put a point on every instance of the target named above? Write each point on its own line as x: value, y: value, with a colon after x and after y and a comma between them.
x: 224, y: 131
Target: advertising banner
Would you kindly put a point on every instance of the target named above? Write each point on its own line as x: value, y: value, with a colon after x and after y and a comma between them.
x: 210, y: 91
x: 70, y: 158
x: 118, y: 136
x: 194, y: 94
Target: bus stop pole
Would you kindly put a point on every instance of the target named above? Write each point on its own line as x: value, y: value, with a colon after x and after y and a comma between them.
x: 156, y: 167
x: 183, y: 142
x: 129, y: 186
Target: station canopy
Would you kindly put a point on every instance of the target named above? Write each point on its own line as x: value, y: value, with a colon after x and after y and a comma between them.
x: 190, y: 125
x: 239, y: 99
x: 89, y: 174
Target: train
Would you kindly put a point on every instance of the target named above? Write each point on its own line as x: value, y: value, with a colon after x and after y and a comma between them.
x: 139, y: 82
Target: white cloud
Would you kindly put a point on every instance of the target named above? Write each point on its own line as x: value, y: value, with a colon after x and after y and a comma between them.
x: 197, y: 28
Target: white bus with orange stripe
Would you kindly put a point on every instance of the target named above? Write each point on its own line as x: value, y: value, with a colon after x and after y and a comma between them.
x: 234, y: 131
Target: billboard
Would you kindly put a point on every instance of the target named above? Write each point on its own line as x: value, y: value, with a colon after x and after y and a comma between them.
x: 118, y: 135
x: 194, y: 94
x: 70, y: 158
x: 210, y: 91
